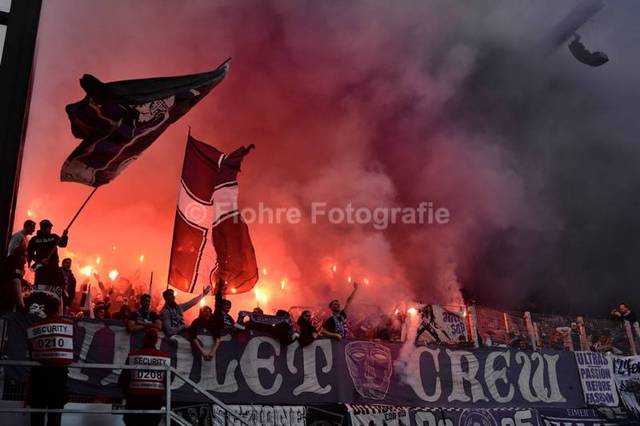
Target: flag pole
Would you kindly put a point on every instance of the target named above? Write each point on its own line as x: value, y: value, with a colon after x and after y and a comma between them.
x: 81, y: 208
x: 53, y: 250
x: 151, y: 283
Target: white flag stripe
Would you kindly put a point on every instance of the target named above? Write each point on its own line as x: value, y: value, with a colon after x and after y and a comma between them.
x: 195, y: 211
x: 225, y: 200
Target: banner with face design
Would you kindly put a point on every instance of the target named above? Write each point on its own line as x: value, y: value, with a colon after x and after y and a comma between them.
x: 252, y: 367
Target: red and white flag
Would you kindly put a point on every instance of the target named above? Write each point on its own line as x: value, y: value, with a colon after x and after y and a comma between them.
x: 209, y: 237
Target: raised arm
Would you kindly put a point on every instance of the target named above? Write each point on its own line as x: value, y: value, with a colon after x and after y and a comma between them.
x: 101, y: 286
x: 219, y: 297
x: 191, y: 303
x: 350, y: 298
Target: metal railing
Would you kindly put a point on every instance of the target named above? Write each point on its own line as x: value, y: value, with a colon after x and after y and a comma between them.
x: 166, y: 411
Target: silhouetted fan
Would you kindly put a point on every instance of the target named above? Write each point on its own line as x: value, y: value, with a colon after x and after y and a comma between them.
x: 594, y: 59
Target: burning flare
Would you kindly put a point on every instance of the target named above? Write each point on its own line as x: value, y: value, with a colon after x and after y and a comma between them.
x: 113, y: 274
x: 87, y: 270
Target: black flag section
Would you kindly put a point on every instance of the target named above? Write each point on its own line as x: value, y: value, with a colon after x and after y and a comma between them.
x: 117, y: 121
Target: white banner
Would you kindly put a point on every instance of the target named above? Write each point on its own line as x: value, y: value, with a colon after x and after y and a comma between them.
x: 439, y: 325
x: 626, y: 372
x: 596, y: 376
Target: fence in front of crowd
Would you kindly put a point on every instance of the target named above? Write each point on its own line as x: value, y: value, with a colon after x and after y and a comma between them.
x: 478, y: 326
x: 453, y: 326
x: 256, y: 369
x: 166, y: 411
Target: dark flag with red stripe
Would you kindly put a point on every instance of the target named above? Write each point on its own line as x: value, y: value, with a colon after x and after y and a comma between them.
x: 117, y: 121
x: 209, y: 235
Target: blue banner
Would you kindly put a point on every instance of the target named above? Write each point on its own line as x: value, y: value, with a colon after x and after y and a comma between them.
x: 585, y: 417
x: 257, y: 368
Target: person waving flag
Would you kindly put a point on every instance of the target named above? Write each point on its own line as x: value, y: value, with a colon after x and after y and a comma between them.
x: 117, y: 121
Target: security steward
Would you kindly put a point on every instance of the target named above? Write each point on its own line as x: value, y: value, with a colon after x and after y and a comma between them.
x: 51, y: 344
x: 145, y: 389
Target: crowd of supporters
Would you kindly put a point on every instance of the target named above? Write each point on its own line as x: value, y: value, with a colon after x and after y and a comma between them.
x: 217, y: 322
x: 132, y: 305
x: 39, y: 254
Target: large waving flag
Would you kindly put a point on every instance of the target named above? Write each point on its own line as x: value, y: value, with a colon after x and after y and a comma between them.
x: 117, y: 121
x: 209, y: 234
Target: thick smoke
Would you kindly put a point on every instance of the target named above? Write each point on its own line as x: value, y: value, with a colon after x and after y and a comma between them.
x: 374, y: 104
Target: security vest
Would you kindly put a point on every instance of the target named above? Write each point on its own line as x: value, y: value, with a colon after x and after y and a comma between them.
x: 148, y: 382
x: 51, y: 341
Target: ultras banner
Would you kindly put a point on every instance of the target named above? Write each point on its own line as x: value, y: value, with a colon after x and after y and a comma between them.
x: 596, y: 373
x: 257, y: 368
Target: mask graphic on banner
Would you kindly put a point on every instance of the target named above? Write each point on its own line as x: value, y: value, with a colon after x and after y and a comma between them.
x: 370, y: 367
x: 477, y: 418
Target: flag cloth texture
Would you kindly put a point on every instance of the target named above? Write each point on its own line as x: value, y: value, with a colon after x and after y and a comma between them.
x: 117, y: 121
x: 210, y: 239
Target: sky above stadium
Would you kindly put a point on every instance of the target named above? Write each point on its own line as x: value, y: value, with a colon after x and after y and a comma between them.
x: 375, y: 104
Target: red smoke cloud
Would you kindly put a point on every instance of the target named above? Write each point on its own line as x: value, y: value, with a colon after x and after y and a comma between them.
x: 343, y: 101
